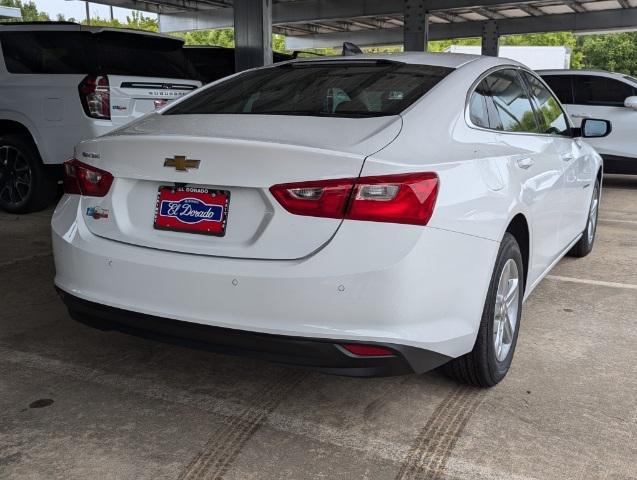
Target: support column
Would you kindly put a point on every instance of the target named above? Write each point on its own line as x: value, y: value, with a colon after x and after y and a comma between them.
x: 252, y: 33
x: 416, y: 27
x: 490, y: 38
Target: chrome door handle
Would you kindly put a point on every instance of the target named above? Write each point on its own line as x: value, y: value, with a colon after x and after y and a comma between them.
x: 567, y: 157
x: 525, y: 162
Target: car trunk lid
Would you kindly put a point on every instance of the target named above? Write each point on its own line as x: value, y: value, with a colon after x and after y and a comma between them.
x: 241, y: 154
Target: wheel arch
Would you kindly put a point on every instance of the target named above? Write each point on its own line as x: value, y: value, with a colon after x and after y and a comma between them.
x: 519, y: 228
x: 16, y: 127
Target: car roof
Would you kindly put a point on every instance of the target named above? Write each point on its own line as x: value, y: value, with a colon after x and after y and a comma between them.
x: 73, y: 27
x: 450, y: 60
x: 597, y: 73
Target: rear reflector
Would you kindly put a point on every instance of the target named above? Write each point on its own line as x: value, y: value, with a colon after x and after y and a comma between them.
x: 363, y: 350
x: 405, y: 198
x: 83, y: 179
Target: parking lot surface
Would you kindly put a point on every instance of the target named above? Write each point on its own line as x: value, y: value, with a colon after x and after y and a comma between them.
x: 78, y: 403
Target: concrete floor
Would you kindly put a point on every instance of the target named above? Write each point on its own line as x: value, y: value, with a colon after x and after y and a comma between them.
x: 77, y: 403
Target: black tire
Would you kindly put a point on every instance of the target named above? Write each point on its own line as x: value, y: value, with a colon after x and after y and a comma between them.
x: 481, y: 367
x: 26, y: 185
x: 585, y: 244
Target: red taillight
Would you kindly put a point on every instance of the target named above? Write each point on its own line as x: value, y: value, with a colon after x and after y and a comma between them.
x: 83, y: 179
x: 405, y: 198
x: 326, y: 198
x: 363, y: 350
x: 95, y: 95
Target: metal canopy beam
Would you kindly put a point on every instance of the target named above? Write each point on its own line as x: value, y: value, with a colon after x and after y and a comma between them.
x: 619, y: 19
x: 415, y: 30
x: 252, y: 33
x: 490, y: 38
x: 308, y: 11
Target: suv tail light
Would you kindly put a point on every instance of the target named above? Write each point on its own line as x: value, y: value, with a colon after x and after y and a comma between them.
x: 95, y: 95
x: 405, y: 198
x: 83, y: 179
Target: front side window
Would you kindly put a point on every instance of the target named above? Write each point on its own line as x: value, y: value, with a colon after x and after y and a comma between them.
x: 512, y: 102
x: 324, y: 88
x: 550, y: 113
x: 601, y: 91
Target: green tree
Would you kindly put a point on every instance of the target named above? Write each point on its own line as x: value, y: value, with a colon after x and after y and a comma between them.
x: 30, y: 12
x: 137, y: 21
x: 616, y: 52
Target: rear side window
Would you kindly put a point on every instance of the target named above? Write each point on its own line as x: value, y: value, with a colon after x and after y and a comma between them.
x: 550, y: 113
x: 512, y: 102
x: 561, y: 85
x: 46, y: 52
x: 328, y: 88
x: 482, y: 111
x: 600, y: 91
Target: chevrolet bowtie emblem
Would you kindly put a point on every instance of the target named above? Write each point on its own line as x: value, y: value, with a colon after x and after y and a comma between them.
x: 181, y: 163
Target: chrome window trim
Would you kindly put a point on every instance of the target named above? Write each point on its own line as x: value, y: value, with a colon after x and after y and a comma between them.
x: 474, y: 85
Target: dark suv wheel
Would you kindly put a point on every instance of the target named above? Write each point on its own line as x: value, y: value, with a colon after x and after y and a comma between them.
x: 25, y: 184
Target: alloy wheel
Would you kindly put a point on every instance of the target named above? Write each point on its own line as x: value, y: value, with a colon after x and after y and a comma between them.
x: 592, y: 216
x: 505, y: 317
x: 15, y: 176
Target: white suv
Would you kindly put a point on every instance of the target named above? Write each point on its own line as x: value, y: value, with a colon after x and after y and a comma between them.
x: 61, y: 83
x: 599, y: 94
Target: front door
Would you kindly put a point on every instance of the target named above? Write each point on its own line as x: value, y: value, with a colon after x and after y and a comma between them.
x: 603, y: 97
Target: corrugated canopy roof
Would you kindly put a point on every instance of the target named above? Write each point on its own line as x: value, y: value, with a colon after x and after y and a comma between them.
x: 379, y: 21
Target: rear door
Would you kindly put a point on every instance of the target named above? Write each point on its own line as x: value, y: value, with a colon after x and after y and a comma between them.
x: 578, y: 166
x: 533, y: 163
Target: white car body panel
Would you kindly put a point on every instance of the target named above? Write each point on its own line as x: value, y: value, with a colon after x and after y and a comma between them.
x: 364, y: 281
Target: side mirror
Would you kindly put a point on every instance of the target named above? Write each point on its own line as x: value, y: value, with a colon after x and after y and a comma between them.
x: 595, y: 128
x: 631, y: 102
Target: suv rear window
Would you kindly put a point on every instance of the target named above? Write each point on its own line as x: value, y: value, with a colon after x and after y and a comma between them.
x: 325, y: 88
x: 120, y: 53
x: 107, y: 52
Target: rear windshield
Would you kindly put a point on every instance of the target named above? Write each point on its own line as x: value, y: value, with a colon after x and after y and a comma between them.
x: 115, y: 53
x: 326, y: 88
x: 141, y: 55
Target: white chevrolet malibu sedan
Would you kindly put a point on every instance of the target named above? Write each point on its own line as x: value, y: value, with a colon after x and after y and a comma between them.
x: 368, y: 215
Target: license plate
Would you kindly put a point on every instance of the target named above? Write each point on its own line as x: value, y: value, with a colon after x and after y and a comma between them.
x: 192, y: 210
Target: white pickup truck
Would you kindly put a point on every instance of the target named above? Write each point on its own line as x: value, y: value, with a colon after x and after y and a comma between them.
x: 61, y: 83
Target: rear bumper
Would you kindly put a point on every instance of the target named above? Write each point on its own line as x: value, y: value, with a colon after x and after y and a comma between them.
x: 402, y: 285
x: 324, y: 355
